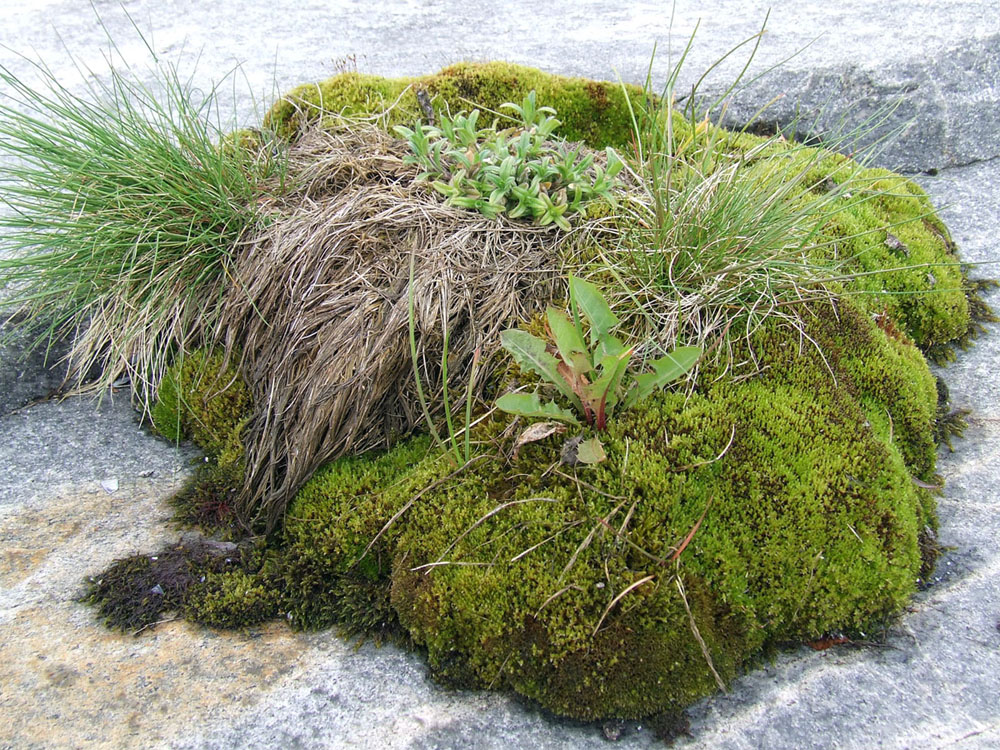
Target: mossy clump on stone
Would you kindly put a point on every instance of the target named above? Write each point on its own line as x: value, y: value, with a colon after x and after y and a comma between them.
x: 807, y: 524
x: 593, y: 111
x: 885, y: 235
x: 724, y: 522
x: 735, y: 516
x: 137, y: 592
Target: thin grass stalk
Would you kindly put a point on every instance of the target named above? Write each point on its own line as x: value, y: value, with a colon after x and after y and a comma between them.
x: 445, y: 401
x: 469, y: 396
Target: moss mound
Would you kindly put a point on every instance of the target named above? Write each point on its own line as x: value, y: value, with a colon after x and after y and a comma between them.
x: 592, y: 111
x: 190, y: 578
x: 335, y: 559
x: 636, y: 586
x: 737, y: 516
x: 889, y: 224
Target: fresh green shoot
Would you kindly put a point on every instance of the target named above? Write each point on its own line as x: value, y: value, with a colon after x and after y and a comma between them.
x: 521, y: 171
x: 415, y: 360
x: 589, y: 369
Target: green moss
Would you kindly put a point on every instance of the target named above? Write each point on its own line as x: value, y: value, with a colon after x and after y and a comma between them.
x: 330, y: 575
x: 980, y: 313
x: 137, y: 592
x: 884, y: 230
x: 811, y: 525
x: 232, y: 599
x: 203, y: 399
x: 592, y: 111
x: 745, y: 514
x: 891, y: 233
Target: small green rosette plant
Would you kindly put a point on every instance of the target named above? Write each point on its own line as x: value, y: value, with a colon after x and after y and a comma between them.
x: 590, y: 371
x: 521, y: 171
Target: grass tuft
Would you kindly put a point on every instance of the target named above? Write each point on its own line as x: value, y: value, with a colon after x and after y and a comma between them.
x: 124, y: 208
x: 723, y: 230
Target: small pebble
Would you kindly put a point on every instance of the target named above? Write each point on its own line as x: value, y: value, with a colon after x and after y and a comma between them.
x: 612, y: 730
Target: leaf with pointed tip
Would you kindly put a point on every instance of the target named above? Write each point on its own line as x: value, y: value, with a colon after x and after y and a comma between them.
x: 615, y: 164
x: 530, y: 354
x: 530, y: 405
x: 608, y: 346
x: 665, y: 370
x: 594, y: 308
x: 570, y: 343
x: 603, y: 392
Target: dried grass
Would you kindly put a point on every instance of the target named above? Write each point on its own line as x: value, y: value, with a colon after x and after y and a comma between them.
x: 318, y: 306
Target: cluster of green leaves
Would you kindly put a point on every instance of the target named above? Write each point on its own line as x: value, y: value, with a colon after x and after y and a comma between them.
x: 593, y: 377
x: 518, y: 171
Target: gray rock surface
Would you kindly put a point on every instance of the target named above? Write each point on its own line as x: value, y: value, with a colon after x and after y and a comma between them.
x: 940, y: 60
x: 65, y: 682
x: 27, y: 372
x: 80, y: 440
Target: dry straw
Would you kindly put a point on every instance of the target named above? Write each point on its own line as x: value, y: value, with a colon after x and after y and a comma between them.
x: 319, y: 305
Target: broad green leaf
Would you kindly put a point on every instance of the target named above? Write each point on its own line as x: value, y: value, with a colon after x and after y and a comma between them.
x: 594, y: 308
x: 665, y: 370
x: 530, y: 405
x: 608, y: 346
x: 546, y: 127
x: 590, y: 452
x: 530, y: 354
x: 571, y: 346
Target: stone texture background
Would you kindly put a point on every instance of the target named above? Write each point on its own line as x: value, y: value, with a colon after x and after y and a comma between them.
x: 83, y: 483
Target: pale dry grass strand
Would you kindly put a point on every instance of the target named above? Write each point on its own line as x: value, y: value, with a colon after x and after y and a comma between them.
x: 318, y: 305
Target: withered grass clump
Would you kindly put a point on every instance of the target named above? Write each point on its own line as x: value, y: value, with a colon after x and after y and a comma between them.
x: 319, y: 305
